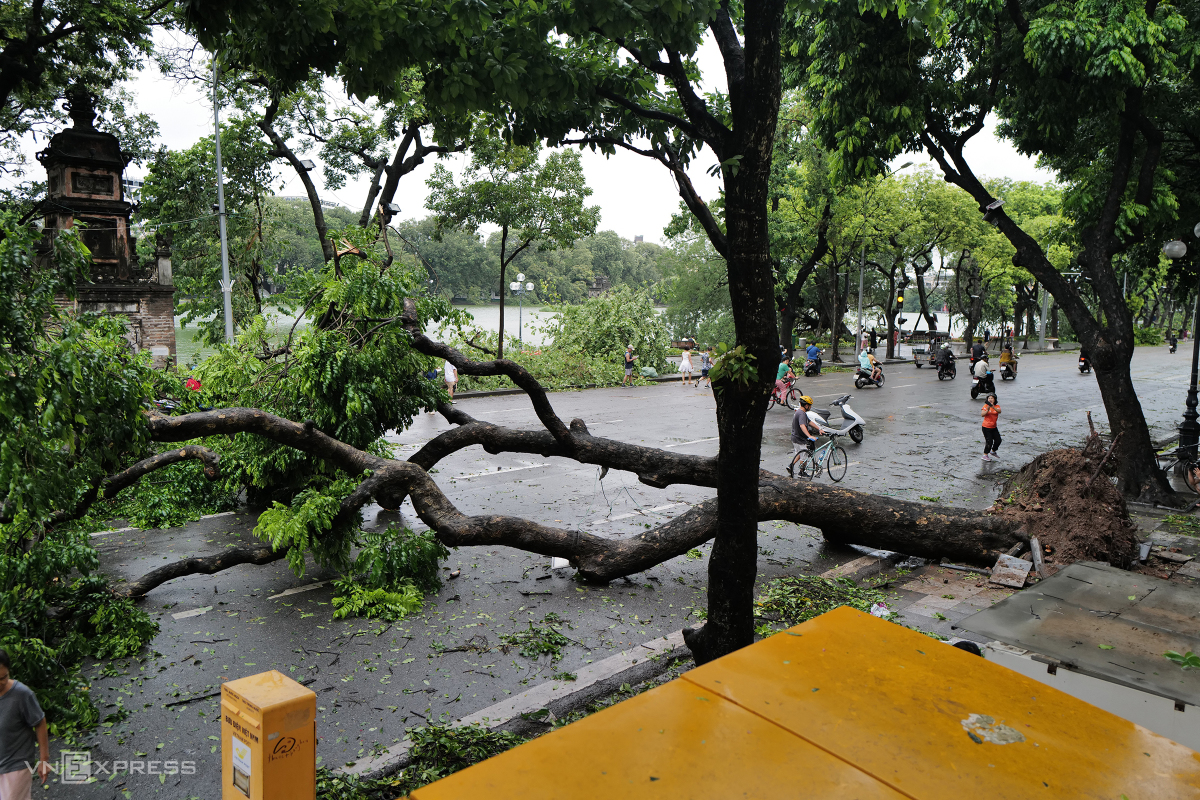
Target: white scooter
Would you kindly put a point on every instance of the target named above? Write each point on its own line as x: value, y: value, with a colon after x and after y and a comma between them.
x: 852, y: 424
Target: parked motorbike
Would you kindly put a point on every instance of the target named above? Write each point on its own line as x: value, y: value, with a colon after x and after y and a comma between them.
x: 863, y: 378
x: 812, y: 367
x: 984, y: 385
x: 1085, y: 364
x: 852, y: 423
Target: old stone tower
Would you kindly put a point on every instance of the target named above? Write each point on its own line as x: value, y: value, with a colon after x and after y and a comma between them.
x: 84, y: 167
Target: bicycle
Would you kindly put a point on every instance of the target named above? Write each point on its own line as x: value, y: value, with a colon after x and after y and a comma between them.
x: 1184, y: 465
x: 830, y: 455
x: 789, y: 397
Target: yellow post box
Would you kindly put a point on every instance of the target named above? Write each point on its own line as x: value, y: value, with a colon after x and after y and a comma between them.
x: 268, y: 739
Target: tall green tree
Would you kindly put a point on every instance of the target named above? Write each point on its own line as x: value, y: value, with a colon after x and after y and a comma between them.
x: 530, y: 201
x: 605, y: 75
x: 1096, y: 91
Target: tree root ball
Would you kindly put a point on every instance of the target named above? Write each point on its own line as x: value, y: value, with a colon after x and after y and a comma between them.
x: 1073, y: 521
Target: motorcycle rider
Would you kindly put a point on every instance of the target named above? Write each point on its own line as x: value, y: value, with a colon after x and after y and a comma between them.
x: 868, y: 364
x: 876, y: 367
x: 804, y: 432
x: 978, y: 351
x: 981, y: 370
x: 945, y: 356
x: 814, y: 354
x: 1007, y: 357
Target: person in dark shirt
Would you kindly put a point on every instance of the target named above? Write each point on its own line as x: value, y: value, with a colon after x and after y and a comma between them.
x: 630, y: 357
x: 24, y: 743
x: 804, y: 432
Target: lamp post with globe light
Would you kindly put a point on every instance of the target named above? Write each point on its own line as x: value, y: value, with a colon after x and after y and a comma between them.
x: 520, y: 289
x: 1189, y: 429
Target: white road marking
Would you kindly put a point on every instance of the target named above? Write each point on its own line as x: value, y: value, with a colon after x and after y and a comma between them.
x: 298, y: 590
x: 123, y: 530
x: 694, y: 441
x: 927, y: 405
x: 195, y: 612
x: 498, y: 472
x: 635, y: 514
x: 904, y: 386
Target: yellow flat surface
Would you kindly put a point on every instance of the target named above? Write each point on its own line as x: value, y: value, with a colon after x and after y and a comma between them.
x: 893, y: 702
x: 844, y: 706
x: 675, y: 741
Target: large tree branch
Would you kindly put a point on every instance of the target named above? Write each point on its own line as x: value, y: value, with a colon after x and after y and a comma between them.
x: 267, y: 126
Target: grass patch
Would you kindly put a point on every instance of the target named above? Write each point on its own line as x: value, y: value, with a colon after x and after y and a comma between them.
x: 441, y: 750
x: 794, y: 599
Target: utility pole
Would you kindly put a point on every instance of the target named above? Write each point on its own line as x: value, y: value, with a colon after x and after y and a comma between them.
x: 862, y: 263
x: 226, y: 281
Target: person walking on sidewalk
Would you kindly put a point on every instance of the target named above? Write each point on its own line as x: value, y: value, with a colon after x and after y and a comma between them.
x: 991, y: 434
x: 705, y: 365
x: 629, y: 359
x: 450, y: 373
x: 685, y: 367
x: 21, y: 754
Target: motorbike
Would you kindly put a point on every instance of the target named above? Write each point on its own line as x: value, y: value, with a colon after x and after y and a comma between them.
x: 863, y: 378
x: 1085, y: 364
x: 984, y: 385
x: 812, y: 367
x: 852, y: 425
x: 945, y: 367
x: 1008, y: 370
x: 1173, y: 343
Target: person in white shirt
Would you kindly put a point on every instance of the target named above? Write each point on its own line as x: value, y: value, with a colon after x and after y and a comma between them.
x: 685, y: 366
x: 451, y: 375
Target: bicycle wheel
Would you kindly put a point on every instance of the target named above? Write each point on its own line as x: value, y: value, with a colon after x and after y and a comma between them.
x: 837, y: 463
x: 793, y: 398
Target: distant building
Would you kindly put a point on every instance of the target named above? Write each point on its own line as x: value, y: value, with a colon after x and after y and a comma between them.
x: 84, y: 169
x: 638, y: 239
x: 599, y: 285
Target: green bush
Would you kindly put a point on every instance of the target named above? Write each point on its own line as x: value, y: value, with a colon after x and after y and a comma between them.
x: 393, y: 571
x: 1147, y: 336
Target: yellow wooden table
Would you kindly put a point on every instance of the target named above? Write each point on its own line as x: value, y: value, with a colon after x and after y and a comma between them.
x: 844, y: 706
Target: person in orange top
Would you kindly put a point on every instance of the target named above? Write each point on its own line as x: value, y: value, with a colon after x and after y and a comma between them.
x: 991, y: 434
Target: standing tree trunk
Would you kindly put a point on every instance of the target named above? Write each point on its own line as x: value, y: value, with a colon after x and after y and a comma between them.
x: 754, y: 77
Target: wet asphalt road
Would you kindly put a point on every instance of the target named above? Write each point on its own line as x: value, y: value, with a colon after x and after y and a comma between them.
x: 374, y: 680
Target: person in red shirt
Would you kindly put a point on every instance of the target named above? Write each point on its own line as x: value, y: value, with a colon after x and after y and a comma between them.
x: 991, y: 434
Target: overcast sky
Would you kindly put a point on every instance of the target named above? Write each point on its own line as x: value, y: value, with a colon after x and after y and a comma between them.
x: 636, y: 195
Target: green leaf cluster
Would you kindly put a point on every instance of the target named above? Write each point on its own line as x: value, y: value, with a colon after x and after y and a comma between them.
x: 794, y: 599
x: 356, y: 600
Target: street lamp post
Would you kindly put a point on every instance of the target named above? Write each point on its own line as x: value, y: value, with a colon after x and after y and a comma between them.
x: 520, y: 289
x: 1189, y: 429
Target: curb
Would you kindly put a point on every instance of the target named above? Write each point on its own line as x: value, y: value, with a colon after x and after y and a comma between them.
x: 498, y: 392
x: 639, y: 664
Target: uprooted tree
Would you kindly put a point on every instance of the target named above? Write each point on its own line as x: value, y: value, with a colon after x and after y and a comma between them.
x: 300, y: 422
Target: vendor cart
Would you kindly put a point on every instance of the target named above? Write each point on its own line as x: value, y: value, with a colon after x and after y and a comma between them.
x: 925, y: 346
